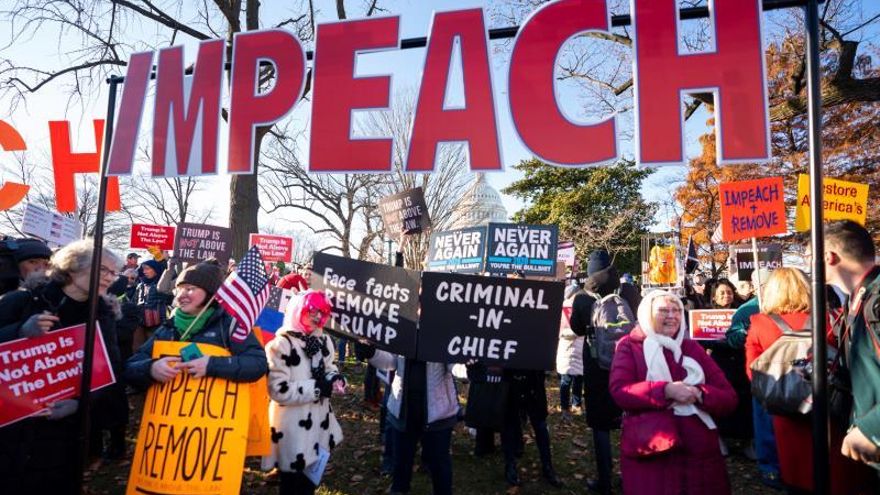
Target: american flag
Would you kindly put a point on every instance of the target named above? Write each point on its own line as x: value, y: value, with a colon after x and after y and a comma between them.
x: 244, y: 293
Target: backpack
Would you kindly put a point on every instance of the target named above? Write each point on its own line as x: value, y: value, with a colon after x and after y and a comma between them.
x: 612, y: 319
x: 778, y: 384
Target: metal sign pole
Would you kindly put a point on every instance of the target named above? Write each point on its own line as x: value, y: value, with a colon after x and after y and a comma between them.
x: 820, y: 382
x: 94, y: 281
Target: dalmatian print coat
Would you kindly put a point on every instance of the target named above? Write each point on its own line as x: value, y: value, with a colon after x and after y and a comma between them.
x: 301, y: 421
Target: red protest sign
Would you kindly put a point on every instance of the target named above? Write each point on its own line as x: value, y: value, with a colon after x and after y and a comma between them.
x: 273, y: 247
x: 36, y: 372
x: 710, y: 324
x: 752, y: 208
x: 144, y: 236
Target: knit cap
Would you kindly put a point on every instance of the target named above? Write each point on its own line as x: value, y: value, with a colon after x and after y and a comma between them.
x: 206, y: 275
x: 29, y: 249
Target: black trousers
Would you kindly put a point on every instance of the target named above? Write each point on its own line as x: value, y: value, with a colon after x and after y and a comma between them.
x: 296, y: 484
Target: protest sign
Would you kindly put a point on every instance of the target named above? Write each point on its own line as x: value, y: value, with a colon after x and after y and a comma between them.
x: 193, y: 432
x: 458, y: 251
x: 405, y: 213
x: 273, y: 247
x: 841, y: 200
x: 710, y: 324
x: 37, y: 371
x: 50, y: 226
x: 565, y: 253
x: 369, y: 300
x: 197, y: 242
x: 518, y: 247
x: 144, y: 236
x: 504, y: 321
x: 752, y: 208
x: 769, y: 257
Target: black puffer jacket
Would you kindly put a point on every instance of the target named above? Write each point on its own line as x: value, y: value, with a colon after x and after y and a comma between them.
x: 247, y: 363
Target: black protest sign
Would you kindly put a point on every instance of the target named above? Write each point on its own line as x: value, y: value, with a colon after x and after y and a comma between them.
x: 518, y: 247
x: 197, y: 242
x: 369, y: 300
x: 405, y: 213
x: 458, y: 251
x: 509, y: 322
x: 769, y: 257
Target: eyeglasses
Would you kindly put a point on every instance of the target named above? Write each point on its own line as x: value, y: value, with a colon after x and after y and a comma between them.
x: 107, y: 272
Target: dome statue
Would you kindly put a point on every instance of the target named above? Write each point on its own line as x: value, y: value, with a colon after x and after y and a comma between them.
x: 479, y: 205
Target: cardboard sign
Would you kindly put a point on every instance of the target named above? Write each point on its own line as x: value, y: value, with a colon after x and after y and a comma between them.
x: 565, y: 253
x: 38, y: 371
x: 144, y: 236
x: 50, y: 226
x: 519, y: 247
x: 769, y: 257
x: 273, y: 247
x: 197, y: 242
x: 841, y: 200
x: 373, y: 301
x: 752, y: 208
x: 193, y: 432
x: 503, y: 321
x: 405, y: 213
x: 709, y: 324
x: 458, y: 251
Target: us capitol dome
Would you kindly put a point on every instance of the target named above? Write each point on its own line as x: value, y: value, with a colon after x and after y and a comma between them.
x: 479, y: 205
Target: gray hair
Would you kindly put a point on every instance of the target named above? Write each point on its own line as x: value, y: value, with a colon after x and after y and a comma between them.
x: 76, y: 257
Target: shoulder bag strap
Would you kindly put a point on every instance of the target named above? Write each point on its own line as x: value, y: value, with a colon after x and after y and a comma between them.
x: 786, y: 328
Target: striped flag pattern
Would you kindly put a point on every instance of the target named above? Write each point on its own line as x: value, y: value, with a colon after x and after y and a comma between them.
x: 244, y: 293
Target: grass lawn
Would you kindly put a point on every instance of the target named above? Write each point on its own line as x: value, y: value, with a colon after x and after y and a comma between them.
x: 354, y: 465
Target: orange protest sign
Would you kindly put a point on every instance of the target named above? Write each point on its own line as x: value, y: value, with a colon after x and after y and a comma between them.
x: 259, y: 440
x: 193, y: 433
x: 752, y: 208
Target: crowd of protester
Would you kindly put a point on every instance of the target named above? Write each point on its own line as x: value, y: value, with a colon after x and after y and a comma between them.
x: 680, y: 404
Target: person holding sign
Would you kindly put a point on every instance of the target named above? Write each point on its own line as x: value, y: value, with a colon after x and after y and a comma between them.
x: 37, y: 454
x: 670, y: 391
x: 197, y: 318
x: 302, y: 377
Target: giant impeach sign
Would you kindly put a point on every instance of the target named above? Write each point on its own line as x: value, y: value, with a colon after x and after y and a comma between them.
x: 193, y: 433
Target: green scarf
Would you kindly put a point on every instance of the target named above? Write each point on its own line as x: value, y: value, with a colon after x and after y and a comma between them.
x: 182, y: 322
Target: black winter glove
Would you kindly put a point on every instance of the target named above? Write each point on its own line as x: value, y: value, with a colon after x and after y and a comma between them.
x: 364, y: 352
x: 324, y: 386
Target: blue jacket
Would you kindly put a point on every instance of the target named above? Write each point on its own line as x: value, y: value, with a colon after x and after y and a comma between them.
x: 247, y: 364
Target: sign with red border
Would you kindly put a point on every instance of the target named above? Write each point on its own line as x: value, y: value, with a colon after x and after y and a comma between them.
x: 39, y: 371
x: 710, y: 324
x: 144, y: 236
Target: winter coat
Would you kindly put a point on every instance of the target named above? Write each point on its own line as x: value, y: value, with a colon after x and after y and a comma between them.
x: 301, y: 420
x: 36, y: 453
x: 147, y: 296
x: 442, y: 398
x: 601, y: 411
x: 247, y: 363
x: 794, y: 435
x: 695, y: 467
x: 570, y: 352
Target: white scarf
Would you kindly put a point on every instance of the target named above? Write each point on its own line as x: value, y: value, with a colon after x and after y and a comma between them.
x: 658, y: 370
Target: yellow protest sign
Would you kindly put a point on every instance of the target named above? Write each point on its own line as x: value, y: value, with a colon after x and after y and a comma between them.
x: 841, y: 200
x: 193, y: 433
x: 259, y: 431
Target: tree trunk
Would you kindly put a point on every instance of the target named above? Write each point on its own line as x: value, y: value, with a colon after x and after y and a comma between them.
x: 244, y: 203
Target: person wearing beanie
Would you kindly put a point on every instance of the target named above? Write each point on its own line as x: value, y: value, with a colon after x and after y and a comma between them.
x: 196, y: 317
x: 602, y: 413
x: 152, y: 304
x: 29, y: 257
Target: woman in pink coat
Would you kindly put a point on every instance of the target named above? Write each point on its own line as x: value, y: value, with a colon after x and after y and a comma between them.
x: 668, y: 387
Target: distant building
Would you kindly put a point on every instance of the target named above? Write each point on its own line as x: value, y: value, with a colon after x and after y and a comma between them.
x: 479, y: 205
